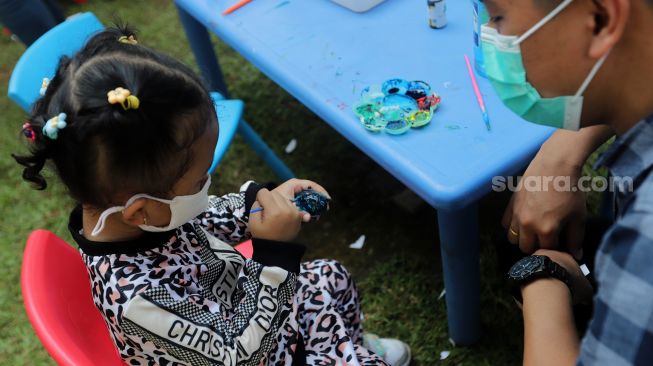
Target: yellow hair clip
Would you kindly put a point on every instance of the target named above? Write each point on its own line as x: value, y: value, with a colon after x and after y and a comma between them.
x: 124, y: 98
x: 129, y: 40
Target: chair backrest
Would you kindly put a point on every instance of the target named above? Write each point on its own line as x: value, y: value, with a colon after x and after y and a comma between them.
x: 59, y: 304
x: 41, y: 58
x: 246, y: 249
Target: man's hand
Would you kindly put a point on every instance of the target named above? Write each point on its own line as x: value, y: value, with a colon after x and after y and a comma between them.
x: 280, y: 219
x: 535, y: 219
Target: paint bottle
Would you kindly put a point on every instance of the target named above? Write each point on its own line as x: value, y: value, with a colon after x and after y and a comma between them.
x: 437, y: 13
x: 480, y: 17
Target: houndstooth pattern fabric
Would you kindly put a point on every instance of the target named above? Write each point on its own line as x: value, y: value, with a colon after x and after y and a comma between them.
x: 194, y: 300
x: 326, y: 316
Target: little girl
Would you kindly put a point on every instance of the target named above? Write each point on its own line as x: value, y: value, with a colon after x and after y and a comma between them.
x: 131, y: 133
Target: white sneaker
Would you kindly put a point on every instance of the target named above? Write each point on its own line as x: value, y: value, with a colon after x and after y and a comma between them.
x: 393, y: 351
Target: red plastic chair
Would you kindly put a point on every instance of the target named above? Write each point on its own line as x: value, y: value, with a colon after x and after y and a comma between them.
x: 58, y: 301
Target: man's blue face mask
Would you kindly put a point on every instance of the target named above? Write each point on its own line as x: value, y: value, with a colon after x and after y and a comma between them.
x: 506, y: 72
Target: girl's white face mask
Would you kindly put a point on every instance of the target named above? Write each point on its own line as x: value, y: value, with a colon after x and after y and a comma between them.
x: 182, y: 209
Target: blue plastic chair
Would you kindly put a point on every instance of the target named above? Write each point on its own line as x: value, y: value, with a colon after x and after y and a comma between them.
x: 41, y: 58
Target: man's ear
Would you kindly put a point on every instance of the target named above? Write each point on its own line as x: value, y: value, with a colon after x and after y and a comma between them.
x: 134, y: 214
x: 610, y: 22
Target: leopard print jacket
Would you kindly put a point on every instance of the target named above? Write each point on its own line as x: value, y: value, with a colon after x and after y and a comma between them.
x: 186, y: 296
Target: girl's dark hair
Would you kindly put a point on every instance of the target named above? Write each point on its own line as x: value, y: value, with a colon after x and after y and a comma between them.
x: 106, y: 150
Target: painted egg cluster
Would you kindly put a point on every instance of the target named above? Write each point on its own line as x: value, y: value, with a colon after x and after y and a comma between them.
x: 396, y: 106
x: 313, y: 202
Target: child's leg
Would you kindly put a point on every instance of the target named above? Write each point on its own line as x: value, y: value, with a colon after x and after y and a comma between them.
x: 327, y: 282
x: 329, y: 316
x: 325, y: 317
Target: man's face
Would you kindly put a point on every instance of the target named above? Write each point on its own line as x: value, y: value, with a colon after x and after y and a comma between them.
x: 556, y: 56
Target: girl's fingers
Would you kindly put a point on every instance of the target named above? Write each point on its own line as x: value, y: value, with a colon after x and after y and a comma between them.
x: 292, y: 208
x: 304, y: 184
x: 285, y: 204
x: 266, y: 199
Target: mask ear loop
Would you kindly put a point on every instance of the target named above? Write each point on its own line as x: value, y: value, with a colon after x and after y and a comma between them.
x: 542, y: 22
x: 591, y: 76
x: 103, y: 218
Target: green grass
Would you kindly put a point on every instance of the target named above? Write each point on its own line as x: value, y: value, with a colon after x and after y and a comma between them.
x: 398, y: 270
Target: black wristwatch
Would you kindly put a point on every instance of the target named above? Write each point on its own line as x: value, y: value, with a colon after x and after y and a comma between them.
x: 533, y: 267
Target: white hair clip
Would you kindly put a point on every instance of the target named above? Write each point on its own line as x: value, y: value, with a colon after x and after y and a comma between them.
x: 53, y: 125
x: 44, y: 86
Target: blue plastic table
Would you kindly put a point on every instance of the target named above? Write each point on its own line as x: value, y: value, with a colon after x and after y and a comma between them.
x: 324, y: 55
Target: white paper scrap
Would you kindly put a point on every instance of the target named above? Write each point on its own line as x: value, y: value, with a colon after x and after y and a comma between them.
x: 442, y: 294
x: 585, y: 270
x: 358, y: 244
x: 444, y: 355
x: 292, y: 145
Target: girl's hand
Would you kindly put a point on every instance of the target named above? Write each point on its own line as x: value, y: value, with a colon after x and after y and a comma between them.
x: 280, y: 219
x: 292, y: 187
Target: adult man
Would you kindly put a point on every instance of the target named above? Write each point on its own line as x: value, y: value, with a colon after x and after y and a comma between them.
x: 586, y: 62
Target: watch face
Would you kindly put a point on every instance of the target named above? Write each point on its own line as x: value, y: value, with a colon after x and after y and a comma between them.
x: 525, y: 267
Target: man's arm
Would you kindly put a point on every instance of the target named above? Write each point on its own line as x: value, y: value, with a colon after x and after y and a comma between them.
x: 550, y: 336
x: 574, y: 147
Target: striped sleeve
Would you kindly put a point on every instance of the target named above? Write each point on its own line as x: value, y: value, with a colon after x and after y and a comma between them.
x: 227, y: 217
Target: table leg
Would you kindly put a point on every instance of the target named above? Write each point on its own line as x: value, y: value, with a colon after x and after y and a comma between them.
x: 263, y: 150
x: 200, y: 43
x: 459, y: 245
x: 207, y: 60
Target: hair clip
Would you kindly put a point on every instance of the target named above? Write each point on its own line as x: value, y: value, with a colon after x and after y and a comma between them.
x: 28, y: 131
x: 122, y: 95
x: 53, y: 125
x: 129, y: 40
x: 44, y: 86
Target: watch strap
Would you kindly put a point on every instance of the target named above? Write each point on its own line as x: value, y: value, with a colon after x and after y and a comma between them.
x: 549, y: 269
x: 557, y: 271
